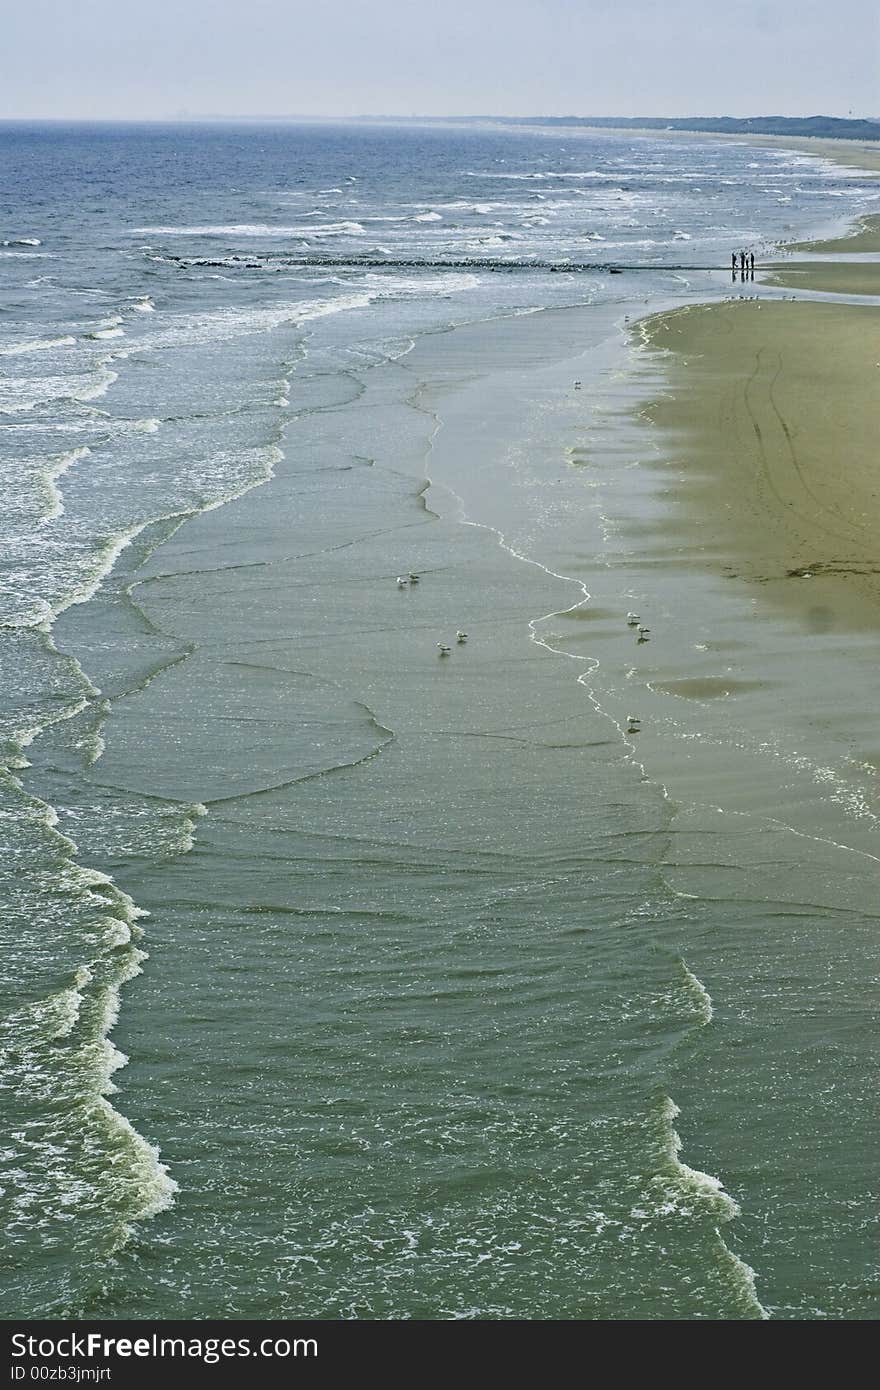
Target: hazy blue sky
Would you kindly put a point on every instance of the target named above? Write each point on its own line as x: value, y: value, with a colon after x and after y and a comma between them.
x: 118, y: 58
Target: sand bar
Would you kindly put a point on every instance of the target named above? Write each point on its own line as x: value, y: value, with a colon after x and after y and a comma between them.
x: 865, y: 239
x: 859, y: 277
x: 845, y: 274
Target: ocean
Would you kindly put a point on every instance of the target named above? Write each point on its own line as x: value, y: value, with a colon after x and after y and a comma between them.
x: 345, y: 978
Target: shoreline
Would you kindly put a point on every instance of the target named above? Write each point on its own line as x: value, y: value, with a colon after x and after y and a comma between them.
x: 260, y: 660
x: 858, y: 153
x: 771, y: 416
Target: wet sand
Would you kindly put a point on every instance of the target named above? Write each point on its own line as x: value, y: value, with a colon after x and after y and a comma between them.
x: 829, y: 278
x: 865, y: 240
x: 772, y: 418
x: 843, y: 275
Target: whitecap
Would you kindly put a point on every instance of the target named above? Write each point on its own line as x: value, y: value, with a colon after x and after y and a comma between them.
x: 35, y: 345
x: 19, y: 394
x: 247, y: 229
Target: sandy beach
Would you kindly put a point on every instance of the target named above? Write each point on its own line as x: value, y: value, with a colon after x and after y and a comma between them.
x: 448, y: 989
x: 864, y: 240
x: 858, y: 154
x: 772, y: 415
x: 837, y: 266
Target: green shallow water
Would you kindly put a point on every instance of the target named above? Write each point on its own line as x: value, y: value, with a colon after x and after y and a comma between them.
x: 440, y: 996
x: 426, y: 994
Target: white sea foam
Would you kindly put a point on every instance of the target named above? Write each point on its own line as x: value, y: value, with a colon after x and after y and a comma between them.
x: 231, y: 474
x: 698, y: 996
x: 56, y: 469
x: 388, y: 286
x: 484, y: 242
x: 677, y: 1190
x: 640, y: 243
x: 35, y: 345
x: 22, y: 241
x: 259, y: 230
x: 464, y: 205
x: 96, y: 422
x: 543, y: 174
x: 59, y: 1060
x: 18, y: 394
x: 59, y: 1014
x: 220, y: 325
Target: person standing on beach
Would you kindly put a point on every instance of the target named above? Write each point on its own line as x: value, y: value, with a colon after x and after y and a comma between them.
x: 742, y: 262
x: 752, y: 264
x: 733, y: 261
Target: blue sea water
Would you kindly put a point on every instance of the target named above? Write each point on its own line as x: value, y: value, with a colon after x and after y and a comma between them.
x: 410, y: 984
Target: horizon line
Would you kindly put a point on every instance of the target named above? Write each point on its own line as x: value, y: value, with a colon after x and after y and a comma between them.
x: 182, y: 116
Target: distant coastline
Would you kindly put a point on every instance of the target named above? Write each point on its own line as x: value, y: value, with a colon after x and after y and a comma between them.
x: 817, y: 127
x: 800, y: 127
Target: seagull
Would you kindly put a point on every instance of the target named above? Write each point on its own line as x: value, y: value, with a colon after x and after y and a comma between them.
x: 413, y: 578
x: 643, y: 631
x: 401, y: 582
x: 443, y: 651
x: 461, y: 636
x: 632, y: 619
x: 577, y: 386
x: 634, y: 724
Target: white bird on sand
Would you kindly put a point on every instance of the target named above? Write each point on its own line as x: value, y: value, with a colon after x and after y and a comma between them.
x: 632, y: 619
x: 643, y: 633
x: 413, y: 578
x: 633, y: 723
x: 442, y: 650
x: 401, y: 582
x: 461, y: 636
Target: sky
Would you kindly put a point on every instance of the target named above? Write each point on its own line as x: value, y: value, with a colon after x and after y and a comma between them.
x: 136, y: 59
